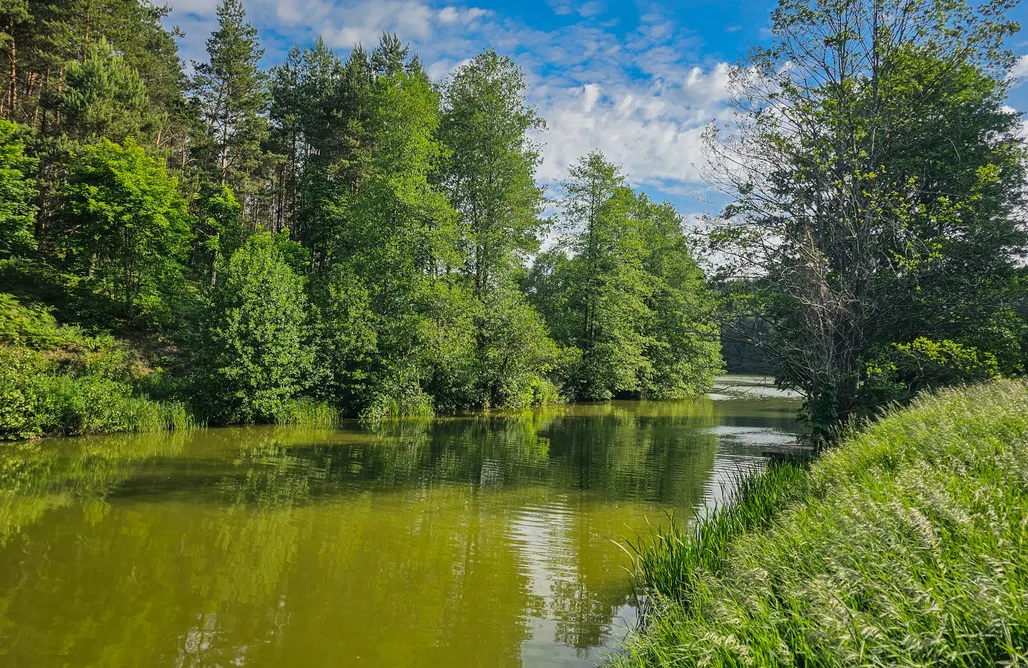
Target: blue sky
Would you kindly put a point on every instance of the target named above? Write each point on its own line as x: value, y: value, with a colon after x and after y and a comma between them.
x: 638, y: 80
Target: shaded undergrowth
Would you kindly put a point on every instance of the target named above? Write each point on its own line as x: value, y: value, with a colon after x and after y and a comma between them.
x: 61, y: 380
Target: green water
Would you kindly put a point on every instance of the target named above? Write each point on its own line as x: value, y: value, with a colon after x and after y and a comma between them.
x: 484, y: 541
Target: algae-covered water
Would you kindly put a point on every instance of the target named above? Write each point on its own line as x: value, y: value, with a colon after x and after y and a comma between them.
x: 482, y: 541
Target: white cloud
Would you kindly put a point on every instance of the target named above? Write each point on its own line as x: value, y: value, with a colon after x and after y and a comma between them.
x: 1020, y: 68
x: 451, y: 14
x: 567, y: 7
x: 643, y: 98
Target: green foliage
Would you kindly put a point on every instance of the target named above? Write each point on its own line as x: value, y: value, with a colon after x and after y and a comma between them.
x: 17, y: 212
x: 683, y: 344
x: 880, y: 191
x: 58, y: 52
x: 516, y: 352
x: 624, y: 290
x: 103, y: 97
x: 252, y: 348
x: 35, y: 327
x: 56, y: 380
x: 123, y: 230
x: 903, y: 546
x: 346, y: 337
x: 905, y: 369
x: 38, y: 399
x: 400, y: 232
x: 219, y: 229
x: 405, y: 211
x: 490, y: 169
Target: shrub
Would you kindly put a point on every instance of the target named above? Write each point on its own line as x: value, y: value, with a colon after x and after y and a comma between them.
x: 36, y: 399
x: 253, y: 351
x: 906, y: 369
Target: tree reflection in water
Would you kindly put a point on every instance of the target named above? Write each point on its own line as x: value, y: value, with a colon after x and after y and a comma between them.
x: 485, y: 540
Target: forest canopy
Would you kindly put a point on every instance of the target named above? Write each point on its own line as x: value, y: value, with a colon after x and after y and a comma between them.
x: 341, y: 234
x: 344, y: 236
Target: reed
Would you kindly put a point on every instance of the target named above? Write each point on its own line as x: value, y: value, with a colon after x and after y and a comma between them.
x: 308, y: 413
x: 906, y: 545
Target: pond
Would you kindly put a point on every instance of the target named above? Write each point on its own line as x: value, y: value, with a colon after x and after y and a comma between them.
x: 490, y: 540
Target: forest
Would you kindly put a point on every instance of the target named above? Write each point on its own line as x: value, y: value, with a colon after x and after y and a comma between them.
x: 219, y: 243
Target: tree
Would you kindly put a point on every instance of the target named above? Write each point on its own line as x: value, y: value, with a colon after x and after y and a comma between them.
x: 16, y: 193
x: 391, y: 57
x: 219, y: 230
x: 13, y: 13
x: 346, y: 337
x: 489, y: 176
x: 232, y: 91
x: 490, y: 170
x: 253, y: 348
x: 623, y: 294
x: 609, y: 288
x: 317, y: 110
x: 123, y: 230
x: 398, y: 232
x: 683, y: 336
x: 875, y: 175
x: 104, y: 97
x: 43, y: 38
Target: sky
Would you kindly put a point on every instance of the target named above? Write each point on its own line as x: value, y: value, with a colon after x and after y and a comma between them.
x: 638, y: 80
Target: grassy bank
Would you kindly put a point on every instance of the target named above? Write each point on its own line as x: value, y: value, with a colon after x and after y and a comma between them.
x: 61, y: 380
x: 907, y: 545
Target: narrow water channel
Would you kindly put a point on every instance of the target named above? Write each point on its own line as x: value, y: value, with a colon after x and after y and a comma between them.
x: 479, y: 541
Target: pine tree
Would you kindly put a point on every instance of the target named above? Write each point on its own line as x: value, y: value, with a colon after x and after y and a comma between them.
x: 104, y: 97
x: 233, y: 94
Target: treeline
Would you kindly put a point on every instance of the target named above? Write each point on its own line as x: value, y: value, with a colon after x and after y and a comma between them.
x: 347, y: 234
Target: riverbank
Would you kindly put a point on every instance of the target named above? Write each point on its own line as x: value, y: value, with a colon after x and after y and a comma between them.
x: 906, y: 545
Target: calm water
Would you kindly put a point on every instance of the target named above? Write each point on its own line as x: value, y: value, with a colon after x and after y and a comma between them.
x: 485, y: 541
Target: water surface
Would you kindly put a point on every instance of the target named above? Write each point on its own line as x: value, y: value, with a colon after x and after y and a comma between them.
x: 480, y: 541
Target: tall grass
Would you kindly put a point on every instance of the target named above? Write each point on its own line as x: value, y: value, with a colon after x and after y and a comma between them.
x: 307, y: 413
x: 907, y: 545
x: 670, y: 562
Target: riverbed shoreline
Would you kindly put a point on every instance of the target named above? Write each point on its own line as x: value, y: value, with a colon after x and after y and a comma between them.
x: 904, y: 545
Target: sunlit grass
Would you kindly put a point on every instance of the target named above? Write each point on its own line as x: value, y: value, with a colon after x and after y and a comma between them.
x: 307, y: 413
x: 671, y: 560
x: 907, y: 545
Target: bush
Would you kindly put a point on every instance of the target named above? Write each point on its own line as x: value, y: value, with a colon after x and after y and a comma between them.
x: 397, y: 393
x: 56, y: 380
x: 516, y: 352
x: 252, y: 350
x: 37, y: 400
x: 905, y: 369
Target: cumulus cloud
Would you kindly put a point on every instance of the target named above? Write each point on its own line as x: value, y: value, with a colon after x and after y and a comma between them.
x: 1020, y: 69
x: 643, y: 96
